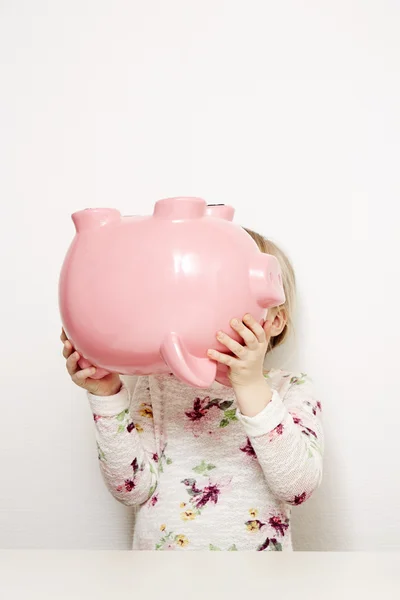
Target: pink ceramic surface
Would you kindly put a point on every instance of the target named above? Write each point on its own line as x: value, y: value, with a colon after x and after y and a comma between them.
x: 146, y: 295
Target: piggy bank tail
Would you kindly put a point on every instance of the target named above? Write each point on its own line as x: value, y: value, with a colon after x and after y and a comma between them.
x: 197, y: 372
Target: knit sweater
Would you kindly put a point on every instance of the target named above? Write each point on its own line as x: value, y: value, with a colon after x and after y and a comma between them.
x: 201, y: 475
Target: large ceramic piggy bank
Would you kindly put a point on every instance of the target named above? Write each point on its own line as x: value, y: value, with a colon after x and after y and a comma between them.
x: 146, y: 295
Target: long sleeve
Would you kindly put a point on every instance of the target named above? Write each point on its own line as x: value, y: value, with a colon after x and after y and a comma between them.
x: 287, y: 438
x: 125, y: 443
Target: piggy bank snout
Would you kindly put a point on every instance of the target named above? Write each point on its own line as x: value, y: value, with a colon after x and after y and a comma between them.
x: 266, y: 281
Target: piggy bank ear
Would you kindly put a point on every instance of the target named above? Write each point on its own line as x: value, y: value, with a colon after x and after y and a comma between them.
x: 179, y: 208
x: 92, y: 218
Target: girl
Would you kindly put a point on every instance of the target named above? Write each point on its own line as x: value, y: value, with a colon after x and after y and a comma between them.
x: 217, y: 469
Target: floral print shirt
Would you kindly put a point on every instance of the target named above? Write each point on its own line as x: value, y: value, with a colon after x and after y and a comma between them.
x: 201, y: 475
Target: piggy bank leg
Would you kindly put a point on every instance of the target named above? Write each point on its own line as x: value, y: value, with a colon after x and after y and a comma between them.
x: 100, y: 373
x: 197, y: 372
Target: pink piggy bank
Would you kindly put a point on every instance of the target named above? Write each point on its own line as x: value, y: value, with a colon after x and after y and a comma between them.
x: 146, y: 295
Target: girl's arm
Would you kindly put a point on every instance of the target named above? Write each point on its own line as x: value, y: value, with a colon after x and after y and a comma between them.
x: 126, y: 443
x: 287, y: 439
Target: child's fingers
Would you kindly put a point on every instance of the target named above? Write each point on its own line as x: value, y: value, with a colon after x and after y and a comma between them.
x: 63, y: 336
x: 68, y: 349
x: 72, y: 363
x: 222, y: 358
x: 267, y: 330
x: 80, y: 376
x: 255, y: 327
x: 237, y: 349
x: 248, y: 336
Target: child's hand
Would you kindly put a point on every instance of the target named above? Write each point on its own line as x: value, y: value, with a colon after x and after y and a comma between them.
x: 246, y: 366
x: 107, y: 386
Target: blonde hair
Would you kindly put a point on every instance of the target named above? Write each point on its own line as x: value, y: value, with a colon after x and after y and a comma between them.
x: 288, y: 280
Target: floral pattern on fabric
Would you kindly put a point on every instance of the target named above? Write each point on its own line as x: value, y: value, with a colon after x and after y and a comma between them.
x: 214, y: 548
x: 201, y: 495
x: 314, y: 446
x: 203, y: 419
x: 185, y: 459
x: 162, y: 460
x: 276, y: 432
x: 171, y: 541
x: 124, y: 422
x: 278, y: 524
x: 248, y: 449
x: 146, y: 410
x: 130, y: 483
x: 299, y: 499
x: 270, y: 544
x: 100, y: 453
x: 296, y: 380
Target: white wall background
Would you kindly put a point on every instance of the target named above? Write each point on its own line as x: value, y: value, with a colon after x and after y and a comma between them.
x: 287, y: 110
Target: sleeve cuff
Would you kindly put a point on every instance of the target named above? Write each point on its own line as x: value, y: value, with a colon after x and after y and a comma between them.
x: 269, y: 418
x: 109, y: 406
